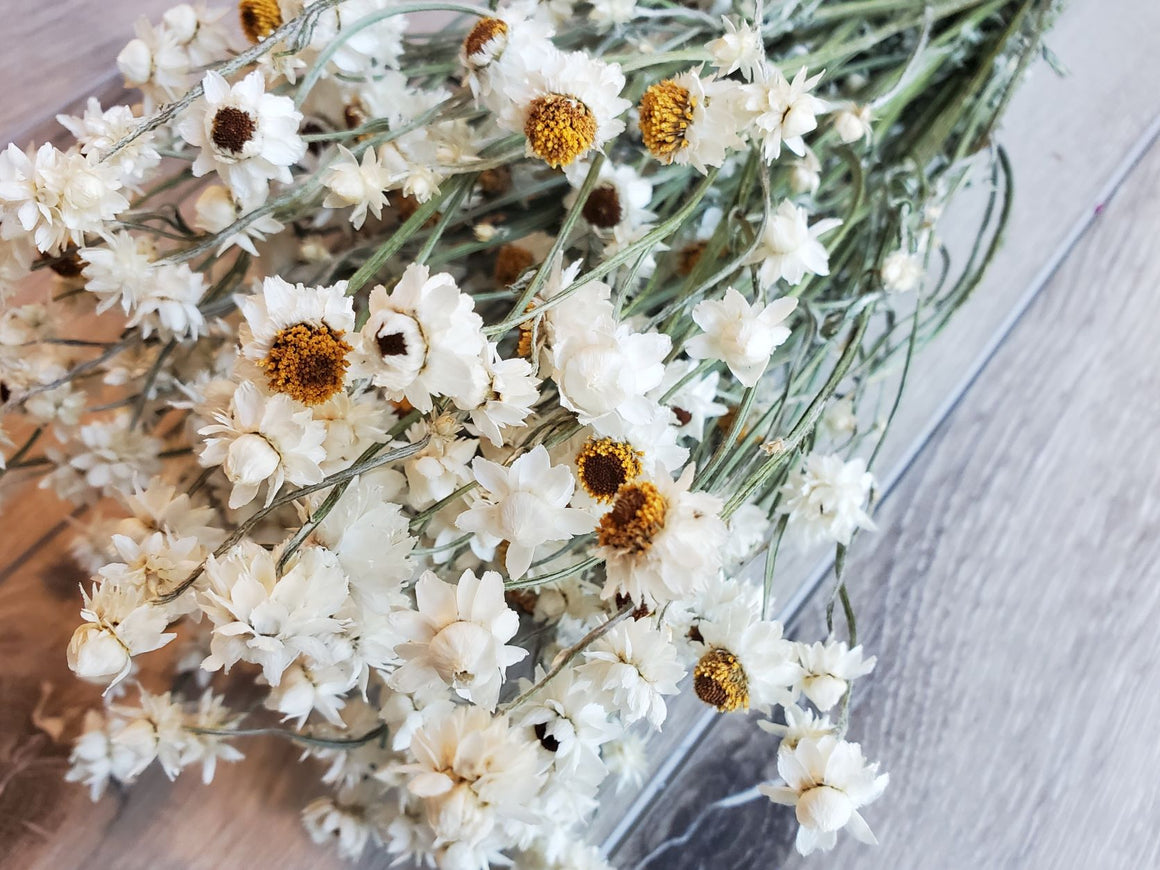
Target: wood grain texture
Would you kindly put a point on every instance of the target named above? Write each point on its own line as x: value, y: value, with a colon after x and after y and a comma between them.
x: 1012, y: 598
x: 249, y: 815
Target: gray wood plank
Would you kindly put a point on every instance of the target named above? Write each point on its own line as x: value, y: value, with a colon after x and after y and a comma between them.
x: 1012, y: 598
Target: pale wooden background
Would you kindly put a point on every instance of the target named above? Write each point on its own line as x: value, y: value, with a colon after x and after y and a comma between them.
x: 1010, y: 596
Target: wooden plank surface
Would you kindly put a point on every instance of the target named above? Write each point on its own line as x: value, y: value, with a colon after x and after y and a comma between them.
x: 252, y: 808
x: 1012, y: 597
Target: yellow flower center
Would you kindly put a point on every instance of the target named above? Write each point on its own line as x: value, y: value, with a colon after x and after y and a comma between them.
x: 666, y: 110
x: 485, y: 30
x: 307, y: 363
x: 259, y: 18
x: 524, y: 347
x: 635, y: 519
x: 559, y: 129
x: 605, y: 466
x: 720, y: 681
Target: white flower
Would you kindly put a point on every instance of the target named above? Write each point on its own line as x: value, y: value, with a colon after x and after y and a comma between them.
x: 362, y: 185
x: 567, y: 722
x: 783, y: 111
x: 427, y: 340
x: 526, y: 504
x: 216, y: 209
x: 508, y: 398
x: 827, y: 781
x: 326, y: 821
x: 692, y: 121
x: 853, y: 123
x: 296, y: 335
x: 303, y: 688
x: 694, y: 402
x: 514, y: 23
x: 635, y: 666
x: 263, y: 441
x: 247, y: 136
x: 473, y: 774
x: 606, y: 14
x: 120, y: 270
x: 605, y: 371
x: 370, y: 537
x: 168, y: 303
x: 789, y: 246
x: 112, y: 455
x: 740, y: 334
x: 620, y: 200
x: 441, y: 467
x: 364, y: 52
x: 800, y: 724
x: 900, y: 271
x: 58, y: 196
x: 98, y: 131
x: 739, y: 48
x: 565, y: 103
x: 458, y: 636
x: 828, y: 669
x: 269, y: 620
x: 824, y: 498
x: 746, y: 661
x: 805, y: 173
x: 660, y: 541
x: 118, y: 624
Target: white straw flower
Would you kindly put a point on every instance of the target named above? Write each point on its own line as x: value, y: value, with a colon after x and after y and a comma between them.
x: 692, y: 121
x: 508, y: 398
x: 634, y: 666
x: 247, y: 136
x: 783, y: 111
x: 118, y: 624
x: 825, y: 496
x: 457, y: 635
x: 525, y: 504
x: 739, y: 48
x: 828, y: 669
x: 362, y: 185
x: 740, y: 334
x: 661, y: 542
x: 827, y: 781
x: 263, y: 441
x: 901, y: 271
x: 427, y: 340
x: 789, y: 248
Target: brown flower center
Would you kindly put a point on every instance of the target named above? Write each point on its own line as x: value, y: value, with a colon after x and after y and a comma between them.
x: 232, y: 129
x: 605, y: 466
x: 393, y: 344
x: 307, y: 363
x: 635, y: 519
x: 511, y: 261
x: 666, y: 110
x: 603, y: 209
x: 259, y: 18
x: 719, y: 680
x: 559, y: 128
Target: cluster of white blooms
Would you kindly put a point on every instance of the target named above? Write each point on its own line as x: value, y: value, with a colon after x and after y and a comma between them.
x: 447, y: 398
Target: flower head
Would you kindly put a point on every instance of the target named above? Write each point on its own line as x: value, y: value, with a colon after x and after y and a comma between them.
x: 824, y: 498
x: 789, y: 246
x: 783, y: 111
x: 741, y: 334
x: 690, y: 120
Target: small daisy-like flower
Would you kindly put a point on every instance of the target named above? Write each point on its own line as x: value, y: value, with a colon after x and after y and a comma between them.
x: 619, y: 201
x: 112, y: 455
x: 740, y: 334
x: 269, y: 620
x: 824, y: 498
x: 746, y: 663
x: 604, y: 465
x: 247, y: 136
x: 783, y: 111
x: 328, y: 820
x: 216, y: 210
x: 800, y: 724
x: 827, y: 781
x: 566, y: 104
x: 296, y: 336
x: 458, y: 635
x: 827, y: 670
x: 739, y: 48
x: 362, y: 185
x: 525, y: 505
x: 789, y: 248
x: 635, y: 666
x: 98, y: 131
x: 263, y: 441
x: 473, y: 773
x: 567, y: 721
x: 509, y: 397
x: 901, y: 271
x: 853, y: 123
x: 427, y: 338
x: 118, y: 624
x: 690, y: 120
x: 660, y: 541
